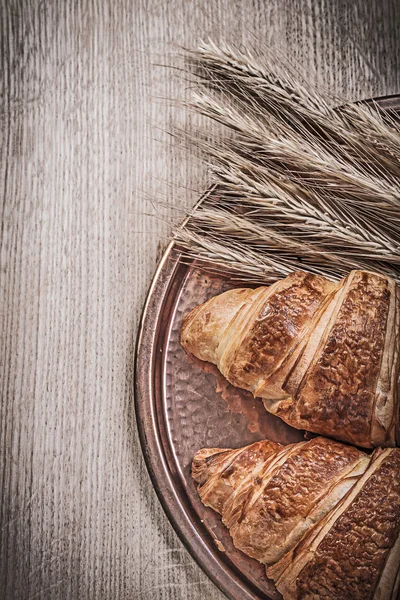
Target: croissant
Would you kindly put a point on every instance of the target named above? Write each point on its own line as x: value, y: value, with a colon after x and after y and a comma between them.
x: 269, y: 495
x: 323, y: 356
x: 354, y: 551
x: 324, y: 517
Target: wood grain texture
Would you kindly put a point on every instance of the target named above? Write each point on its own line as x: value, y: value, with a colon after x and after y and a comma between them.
x: 91, y: 182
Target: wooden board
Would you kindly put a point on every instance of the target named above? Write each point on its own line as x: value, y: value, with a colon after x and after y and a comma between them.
x: 86, y: 167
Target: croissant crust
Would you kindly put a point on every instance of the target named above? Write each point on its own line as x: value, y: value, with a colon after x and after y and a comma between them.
x: 323, y: 357
x: 322, y: 516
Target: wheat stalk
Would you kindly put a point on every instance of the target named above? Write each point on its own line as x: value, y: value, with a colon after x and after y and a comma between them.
x: 269, y: 89
x: 299, y: 182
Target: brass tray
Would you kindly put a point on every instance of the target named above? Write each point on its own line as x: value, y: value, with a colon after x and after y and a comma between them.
x: 183, y: 405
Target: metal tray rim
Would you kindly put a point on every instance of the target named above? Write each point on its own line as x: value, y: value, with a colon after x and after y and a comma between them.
x: 178, y: 514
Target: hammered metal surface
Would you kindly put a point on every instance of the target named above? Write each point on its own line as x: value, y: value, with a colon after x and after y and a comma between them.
x: 201, y: 409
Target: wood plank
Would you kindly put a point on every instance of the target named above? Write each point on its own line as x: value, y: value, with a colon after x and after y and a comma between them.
x: 86, y: 166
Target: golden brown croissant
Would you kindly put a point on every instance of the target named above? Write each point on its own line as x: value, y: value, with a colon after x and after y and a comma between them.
x: 269, y: 495
x: 324, y: 357
x: 326, y: 516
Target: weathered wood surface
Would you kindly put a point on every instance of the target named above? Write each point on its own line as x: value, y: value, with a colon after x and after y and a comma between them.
x: 86, y: 165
